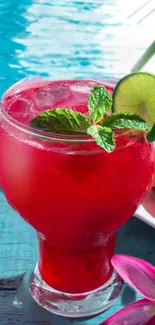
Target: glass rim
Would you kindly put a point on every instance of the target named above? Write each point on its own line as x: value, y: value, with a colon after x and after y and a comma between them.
x: 43, y: 134
x: 53, y: 136
x: 49, y: 135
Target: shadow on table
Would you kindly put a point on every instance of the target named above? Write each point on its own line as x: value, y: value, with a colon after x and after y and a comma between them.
x: 137, y: 238
x: 18, y: 308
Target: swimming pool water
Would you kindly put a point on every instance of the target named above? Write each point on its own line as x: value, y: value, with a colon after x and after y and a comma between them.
x: 69, y: 39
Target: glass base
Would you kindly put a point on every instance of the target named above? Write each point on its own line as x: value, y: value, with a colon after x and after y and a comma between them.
x: 75, y: 305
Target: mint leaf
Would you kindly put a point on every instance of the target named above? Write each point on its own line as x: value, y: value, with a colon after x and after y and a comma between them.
x: 125, y: 121
x: 61, y: 121
x: 151, y: 135
x: 99, y: 103
x: 104, y: 137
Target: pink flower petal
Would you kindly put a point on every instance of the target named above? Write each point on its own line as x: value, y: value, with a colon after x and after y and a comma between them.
x: 151, y: 321
x: 137, y: 313
x: 137, y: 273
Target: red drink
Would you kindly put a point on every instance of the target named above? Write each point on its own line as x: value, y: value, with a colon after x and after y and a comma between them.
x: 72, y: 192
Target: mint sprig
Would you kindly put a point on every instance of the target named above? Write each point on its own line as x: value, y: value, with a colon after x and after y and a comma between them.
x: 61, y: 121
x: 117, y: 121
x: 151, y: 135
x: 68, y: 122
x: 99, y: 103
x: 104, y: 137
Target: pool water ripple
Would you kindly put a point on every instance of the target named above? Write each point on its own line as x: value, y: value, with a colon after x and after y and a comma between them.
x: 69, y: 39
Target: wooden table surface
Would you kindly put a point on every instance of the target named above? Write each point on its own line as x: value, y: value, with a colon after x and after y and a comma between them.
x: 18, y: 254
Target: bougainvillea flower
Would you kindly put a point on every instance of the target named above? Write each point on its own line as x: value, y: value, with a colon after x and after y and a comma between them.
x: 140, y: 275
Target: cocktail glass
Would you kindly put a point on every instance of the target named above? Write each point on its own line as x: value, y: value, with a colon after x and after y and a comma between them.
x: 72, y: 192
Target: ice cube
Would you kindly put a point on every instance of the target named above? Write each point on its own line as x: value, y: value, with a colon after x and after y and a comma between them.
x: 52, y: 95
x: 20, y: 109
x: 44, y: 96
x: 83, y: 86
x: 22, y: 85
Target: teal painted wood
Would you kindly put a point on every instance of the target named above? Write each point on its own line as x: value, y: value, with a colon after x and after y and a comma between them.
x: 18, y: 254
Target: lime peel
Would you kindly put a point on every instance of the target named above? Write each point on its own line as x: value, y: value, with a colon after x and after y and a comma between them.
x: 134, y: 94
